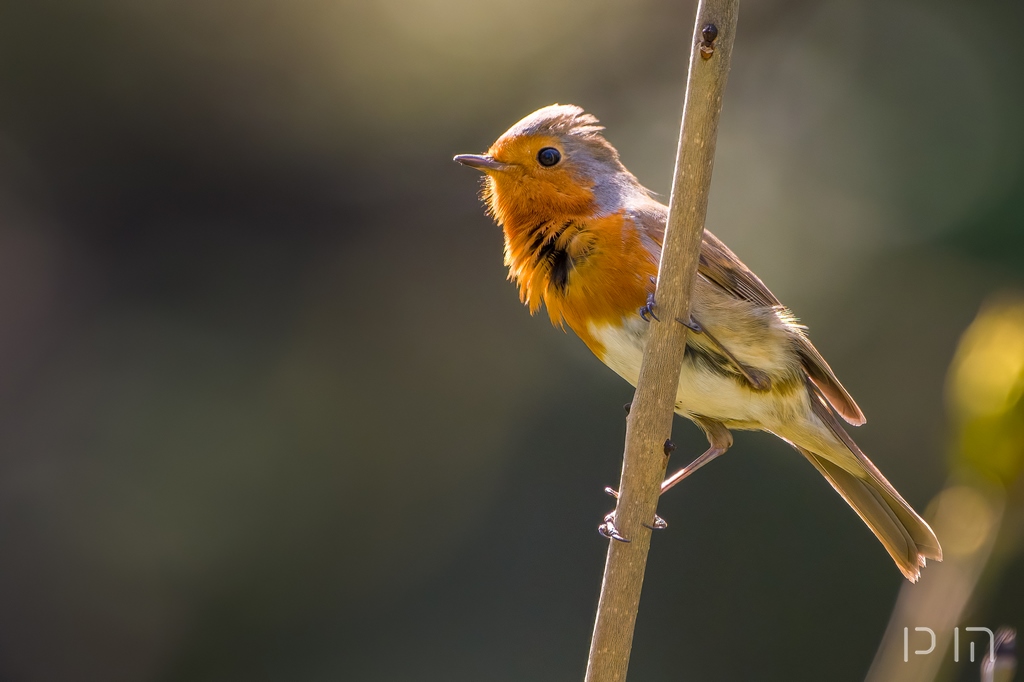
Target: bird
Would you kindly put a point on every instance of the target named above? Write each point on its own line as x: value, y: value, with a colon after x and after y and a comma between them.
x: 582, y: 239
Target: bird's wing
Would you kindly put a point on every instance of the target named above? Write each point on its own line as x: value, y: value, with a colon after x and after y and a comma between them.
x: 825, y: 379
x: 718, y: 264
x: 721, y: 266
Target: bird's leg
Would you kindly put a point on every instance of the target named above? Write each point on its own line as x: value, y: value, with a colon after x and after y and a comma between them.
x: 608, y: 529
x: 719, y: 439
x: 757, y: 379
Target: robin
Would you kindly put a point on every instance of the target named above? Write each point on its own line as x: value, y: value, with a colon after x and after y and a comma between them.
x: 583, y: 239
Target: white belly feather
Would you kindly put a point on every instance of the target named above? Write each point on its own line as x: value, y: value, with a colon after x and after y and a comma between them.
x: 701, y: 391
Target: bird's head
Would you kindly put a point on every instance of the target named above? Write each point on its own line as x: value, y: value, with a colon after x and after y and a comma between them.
x: 554, y: 163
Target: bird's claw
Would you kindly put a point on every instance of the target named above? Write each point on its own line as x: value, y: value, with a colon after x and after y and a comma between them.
x: 648, y: 310
x: 608, y: 529
x: 659, y: 523
x: 693, y: 325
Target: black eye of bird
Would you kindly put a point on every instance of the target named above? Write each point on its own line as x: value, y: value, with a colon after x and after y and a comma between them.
x: 548, y: 156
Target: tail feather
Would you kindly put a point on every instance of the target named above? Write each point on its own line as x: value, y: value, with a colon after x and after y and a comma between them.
x: 905, y: 535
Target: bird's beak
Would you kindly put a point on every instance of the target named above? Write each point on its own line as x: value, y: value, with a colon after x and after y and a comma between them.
x: 481, y: 162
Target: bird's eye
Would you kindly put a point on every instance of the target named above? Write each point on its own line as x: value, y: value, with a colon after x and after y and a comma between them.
x: 548, y: 156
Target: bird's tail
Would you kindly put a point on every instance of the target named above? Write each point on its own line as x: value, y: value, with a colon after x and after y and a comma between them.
x: 907, y: 537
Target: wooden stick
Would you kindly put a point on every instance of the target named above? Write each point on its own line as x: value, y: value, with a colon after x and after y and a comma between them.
x: 650, y: 419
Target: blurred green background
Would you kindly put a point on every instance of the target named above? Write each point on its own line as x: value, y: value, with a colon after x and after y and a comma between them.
x: 270, y: 411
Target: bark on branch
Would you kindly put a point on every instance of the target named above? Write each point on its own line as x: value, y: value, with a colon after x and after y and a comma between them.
x: 650, y: 419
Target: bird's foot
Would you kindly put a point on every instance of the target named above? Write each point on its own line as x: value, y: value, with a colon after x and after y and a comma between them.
x: 659, y: 523
x: 609, y: 521
x: 608, y: 529
x: 693, y: 325
x: 648, y: 310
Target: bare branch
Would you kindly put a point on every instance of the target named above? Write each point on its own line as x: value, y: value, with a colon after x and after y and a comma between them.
x: 650, y: 419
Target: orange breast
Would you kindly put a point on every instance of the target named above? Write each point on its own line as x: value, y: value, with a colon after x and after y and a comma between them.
x: 584, y: 271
